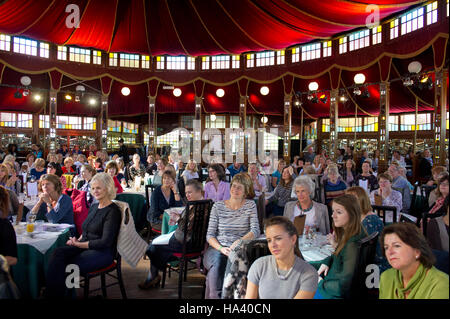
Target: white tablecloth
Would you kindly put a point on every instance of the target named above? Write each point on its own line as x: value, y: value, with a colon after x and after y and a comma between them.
x: 41, y: 240
x: 133, y: 191
x: 315, y: 249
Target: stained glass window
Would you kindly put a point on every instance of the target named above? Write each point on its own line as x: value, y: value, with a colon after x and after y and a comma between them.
x: 114, y: 126
x: 205, y: 62
x: 190, y: 63
x: 412, y: 21
x: 80, y: 55
x: 160, y: 62
x: 250, y: 60
x: 69, y: 122
x: 281, y: 57
x: 8, y: 119
x: 5, y: 42
x: 44, y: 121
x: 90, y: 123
x: 358, y: 40
x: 62, y: 53
x: 25, y: 46
x: 327, y: 45
x: 97, y: 57
x: 44, y: 50
x: 130, y: 128
x: 393, y: 29
x: 432, y: 12
x: 350, y: 124
x: 25, y: 120
x: 218, y: 123
x: 343, y: 45
x: 113, y: 58
x: 393, y: 123
x: 311, y: 51
x: 220, y: 62
x: 235, y: 62
x: 145, y: 60
x: 176, y: 63
x: 326, y: 125
x: 295, y: 54
x: 129, y: 60
x: 265, y: 58
x: 408, y: 123
x: 376, y: 35
x: 371, y: 124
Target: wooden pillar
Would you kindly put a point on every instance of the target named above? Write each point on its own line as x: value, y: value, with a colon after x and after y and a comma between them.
x: 334, y: 116
x: 152, y: 125
x: 383, y: 120
x: 243, y: 112
x: 415, y: 126
x: 440, y: 116
x: 102, y: 124
x: 35, y: 133
x: 52, y: 118
x: 198, y: 127
x: 301, y: 134
x: 287, y: 127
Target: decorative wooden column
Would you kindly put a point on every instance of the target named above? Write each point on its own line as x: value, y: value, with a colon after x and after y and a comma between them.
x: 102, y: 124
x: 243, y: 112
x: 334, y: 116
x: 301, y: 134
x: 287, y: 127
x: 440, y: 116
x: 35, y: 134
x: 415, y: 126
x: 383, y: 120
x: 152, y: 125
x: 52, y: 118
x: 198, y: 129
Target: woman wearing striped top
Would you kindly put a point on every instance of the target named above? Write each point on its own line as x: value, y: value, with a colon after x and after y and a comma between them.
x: 230, y: 222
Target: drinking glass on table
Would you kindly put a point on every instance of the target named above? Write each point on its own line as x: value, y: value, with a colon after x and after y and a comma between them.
x: 30, y: 223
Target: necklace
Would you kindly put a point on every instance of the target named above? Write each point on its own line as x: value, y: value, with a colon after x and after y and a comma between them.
x: 305, y: 210
x: 282, y: 277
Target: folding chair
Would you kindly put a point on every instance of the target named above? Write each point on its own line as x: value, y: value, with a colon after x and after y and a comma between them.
x: 381, y: 212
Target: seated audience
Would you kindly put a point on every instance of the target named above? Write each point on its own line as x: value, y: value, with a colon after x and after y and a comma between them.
x: 385, y: 195
x: 300, y: 166
x: 259, y: 181
x: 401, y: 184
x: 151, y: 165
x: 337, y: 270
x: 53, y: 206
x: 366, y: 179
x: 283, y: 274
x: 112, y: 168
x: 160, y: 255
x: 236, y: 168
x: 8, y: 242
x: 120, y: 174
x: 282, y: 194
x: 137, y: 169
x: 370, y: 221
x: 39, y: 169
x: 55, y: 169
x: 316, y: 213
x: 412, y: 275
x: 425, y: 165
x: 437, y: 230
x: 348, y: 172
x: 334, y: 186
x: 441, y: 194
x: 162, y: 164
x: 7, y: 180
x: 68, y: 166
x: 276, y: 176
x: 98, y: 164
x: 163, y: 197
x: 96, y: 247
x: 30, y: 161
x: 191, y: 171
x: 230, y: 222
x: 397, y: 157
x: 437, y: 170
x: 216, y: 188
x: 86, y: 172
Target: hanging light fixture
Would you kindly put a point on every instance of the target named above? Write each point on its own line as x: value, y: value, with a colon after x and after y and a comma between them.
x: 323, y: 98
x: 414, y: 67
x: 18, y: 94
x: 366, y: 93
x: 25, y: 80
x: 68, y: 97
x: 264, y: 90
x: 356, y: 91
x: 220, y: 92
x: 92, y: 101
x: 313, y: 86
x: 125, y: 91
x: 359, y: 78
x: 212, y: 117
x: 37, y: 97
x: 177, y: 92
x: 264, y: 119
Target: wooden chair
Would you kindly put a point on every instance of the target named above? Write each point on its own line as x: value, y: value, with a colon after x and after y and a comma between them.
x: 196, y: 229
x: 381, y: 212
x: 366, y: 255
x: 261, y: 209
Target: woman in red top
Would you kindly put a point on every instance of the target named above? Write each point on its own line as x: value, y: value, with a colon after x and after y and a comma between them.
x: 68, y: 166
x: 112, y: 169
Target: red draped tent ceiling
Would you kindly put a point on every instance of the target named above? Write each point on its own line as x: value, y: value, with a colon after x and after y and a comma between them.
x: 197, y: 27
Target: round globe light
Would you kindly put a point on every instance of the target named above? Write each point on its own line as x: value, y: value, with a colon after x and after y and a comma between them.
x: 220, y: 92
x: 25, y: 80
x: 177, y: 92
x: 359, y: 78
x: 213, y: 117
x: 80, y: 88
x: 92, y: 101
x: 37, y: 97
x: 264, y: 119
x: 125, y: 91
x: 313, y: 86
x: 414, y: 67
x: 264, y: 90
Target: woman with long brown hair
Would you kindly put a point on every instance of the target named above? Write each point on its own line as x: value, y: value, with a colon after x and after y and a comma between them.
x: 337, y: 270
x: 8, y: 243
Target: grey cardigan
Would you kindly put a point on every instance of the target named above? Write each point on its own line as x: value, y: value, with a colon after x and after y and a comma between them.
x: 320, y: 210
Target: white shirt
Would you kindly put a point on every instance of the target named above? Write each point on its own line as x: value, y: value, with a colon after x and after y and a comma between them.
x: 310, y: 216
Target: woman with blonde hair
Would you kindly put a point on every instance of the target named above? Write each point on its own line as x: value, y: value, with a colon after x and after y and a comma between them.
x: 337, y: 270
x: 96, y: 247
x: 191, y: 171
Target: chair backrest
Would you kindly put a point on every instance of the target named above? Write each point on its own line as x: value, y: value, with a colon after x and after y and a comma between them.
x: 181, y: 187
x: 255, y: 249
x: 137, y: 206
x: 426, y: 219
x: 366, y: 255
x: 381, y: 212
x: 261, y: 209
x: 195, y: 228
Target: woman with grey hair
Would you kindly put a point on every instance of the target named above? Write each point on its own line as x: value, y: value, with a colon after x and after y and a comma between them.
x: 316, y: 213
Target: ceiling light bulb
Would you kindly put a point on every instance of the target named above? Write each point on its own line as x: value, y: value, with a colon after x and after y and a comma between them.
x: 220, y: 92
x: 264, y: 90
x: 125, y: 91
x: 313, y: 86
x: 68, y: 97
x: 264, y: 119
x: 37, y: 97
x: 414, y: 67
x: 177, y: 92
x: 359, y: 78
x: 92, y: 101
x: 25, y: 80
x: 213, y: 117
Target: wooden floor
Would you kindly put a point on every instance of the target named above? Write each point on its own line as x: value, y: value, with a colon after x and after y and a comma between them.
x: 192, y: 288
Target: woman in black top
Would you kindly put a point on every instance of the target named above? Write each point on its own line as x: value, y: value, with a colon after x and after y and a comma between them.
x: 8, y: 243
x: 96, y: 248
